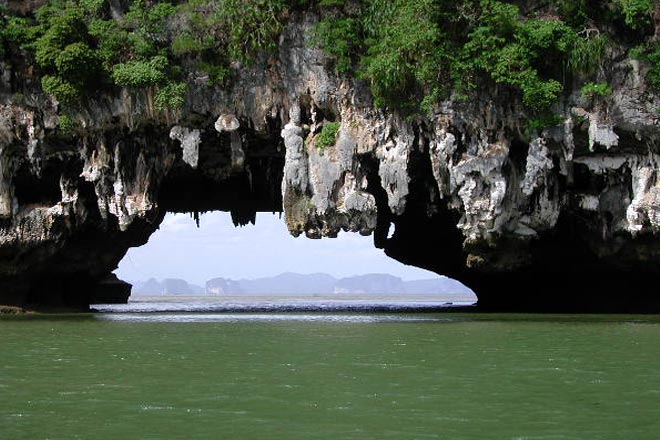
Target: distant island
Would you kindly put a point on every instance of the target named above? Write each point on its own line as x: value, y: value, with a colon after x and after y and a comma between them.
x: 301, y: 284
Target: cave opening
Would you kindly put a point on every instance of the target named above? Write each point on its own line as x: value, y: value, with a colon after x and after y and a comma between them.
x: 206, y: 257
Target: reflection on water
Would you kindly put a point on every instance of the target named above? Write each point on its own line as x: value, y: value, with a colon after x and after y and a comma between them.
x: 328, y: 376
x: 278, y: 306
x: 264, y: 317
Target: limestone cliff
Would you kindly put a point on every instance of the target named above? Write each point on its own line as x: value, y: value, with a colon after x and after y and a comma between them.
x: 570, y: 212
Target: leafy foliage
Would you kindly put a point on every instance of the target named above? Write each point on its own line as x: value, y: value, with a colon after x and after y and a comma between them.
x: 140, y: 73
x: 63, y: 91
x: 171, y: 97
x: 650, y: 53
x: 587, y: 53
x: 328, y: 135
x: 338, y: 37
x: 596, y: 90
x: 637, y: 13
x: 411, y: 53
x: 66, y: 124
x: 546, y: 119
x: 238, y: 28
x: 516, y: 52
x: 79, y: 46
x: 406, y: 53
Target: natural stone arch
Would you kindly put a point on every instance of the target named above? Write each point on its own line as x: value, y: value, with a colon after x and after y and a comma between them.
x: 473, y: 194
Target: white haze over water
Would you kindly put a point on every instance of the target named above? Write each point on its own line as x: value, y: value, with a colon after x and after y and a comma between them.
x: 218, y: 249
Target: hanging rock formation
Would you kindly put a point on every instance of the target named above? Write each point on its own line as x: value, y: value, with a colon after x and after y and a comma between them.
x: 567, y: 217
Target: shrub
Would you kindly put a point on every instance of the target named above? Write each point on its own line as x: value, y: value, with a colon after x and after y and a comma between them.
x: 149, y: 16
x: 654, y: 72
x: 171, y: 97
x: 252, y: 26
x: 405, y: 53
x: 514, y: 52
x: 65, y: 92
x: 649, y: 53
x: 637, y: 13
x: 538, y: 94
x: 77, y: 62
x: 111, y: 40
x: 187, y: 43
x: 328, y: 135
x: 92, y: 6
x: 16, y: 30
x: 593, y: 90
x: 339, y: 37
x: 587, y: 53
x: 140, y: 73
x: 66, y: 124
x: 573, y: 12
x: 218, y: 74
x: 547, y: 119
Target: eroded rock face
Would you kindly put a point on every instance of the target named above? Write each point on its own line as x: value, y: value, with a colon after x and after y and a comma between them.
x: 472, y: 193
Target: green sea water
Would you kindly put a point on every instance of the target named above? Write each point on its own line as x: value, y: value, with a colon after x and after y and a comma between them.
x: 329, y: 376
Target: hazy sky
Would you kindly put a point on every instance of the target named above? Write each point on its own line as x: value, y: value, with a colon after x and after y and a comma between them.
x: 218, y: 249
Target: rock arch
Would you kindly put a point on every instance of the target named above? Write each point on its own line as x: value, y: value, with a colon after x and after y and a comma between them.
x: 564, y: 218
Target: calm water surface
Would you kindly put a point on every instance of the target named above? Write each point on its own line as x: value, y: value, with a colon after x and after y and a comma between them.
x: 329, y: 376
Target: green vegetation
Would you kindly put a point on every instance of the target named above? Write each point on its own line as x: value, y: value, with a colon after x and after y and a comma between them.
x: 78, y: 46
x: 650, y: 53
x: 587, y: 53
x: 171, y: 97
x: 328, y: 135
x: 63, y: 91
x: 538, y: 123
x: 140, y: 73
x: 66, y: 124
x: 338, y: 37
x: 593, y: 90
x: 412, y: 54
x: 637, y: 13
x: 518, y: 53
x: 406, y: 51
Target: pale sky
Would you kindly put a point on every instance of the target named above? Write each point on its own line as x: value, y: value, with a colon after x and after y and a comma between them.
x: 217, y: 249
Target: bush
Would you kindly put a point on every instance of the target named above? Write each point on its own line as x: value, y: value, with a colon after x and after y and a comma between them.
x: 405, y: 53
x: 654, y: 71
x: 66, y: 93
x: 77, y: 62
x: 537, y: 124
x: 339, y: 37
x: 637, y: 13
x: 593, y: 90
x: 111, y: 41
x: 16, y: 30
x: 513, y: 51
x: 328, y: 135
x: 587, y: 53
x: 252, y: 26
x: 171, y: 97
x: 140, y: 73
x: 187, y: 43
x: 66, y: 124
x: 218, y: 74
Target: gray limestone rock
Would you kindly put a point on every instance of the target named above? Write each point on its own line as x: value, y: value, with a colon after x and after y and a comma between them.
x: 190, y: 141
x: 470, y: 191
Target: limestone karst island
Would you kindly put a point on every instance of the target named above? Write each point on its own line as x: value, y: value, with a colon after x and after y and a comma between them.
x: 329, y: 219
x: 512, y: 145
